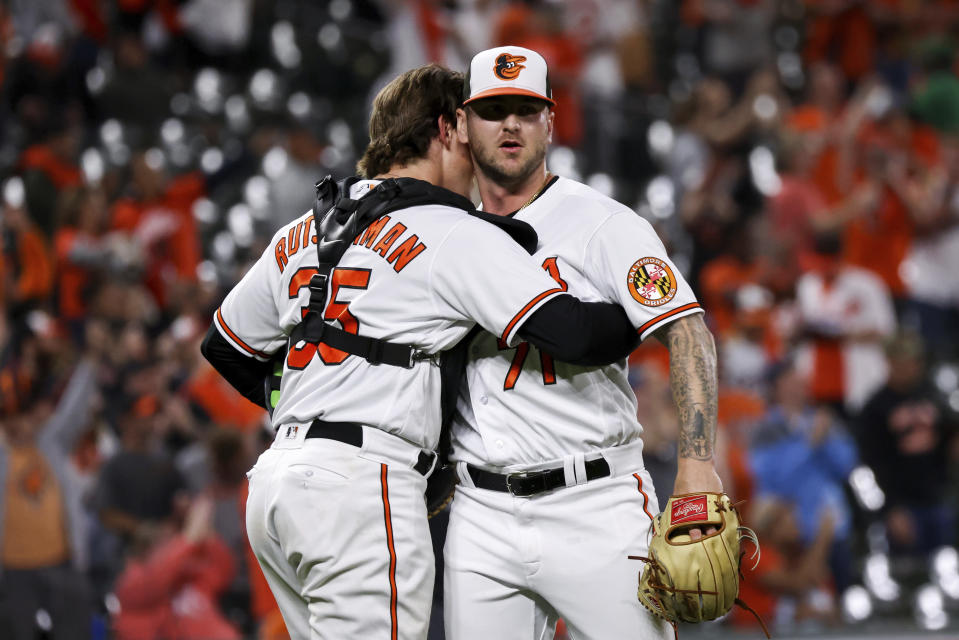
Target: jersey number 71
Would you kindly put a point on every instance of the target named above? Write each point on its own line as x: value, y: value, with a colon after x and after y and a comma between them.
x: 522, y: 349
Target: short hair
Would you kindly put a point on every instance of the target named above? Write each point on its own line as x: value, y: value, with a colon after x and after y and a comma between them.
x: 405, y: 117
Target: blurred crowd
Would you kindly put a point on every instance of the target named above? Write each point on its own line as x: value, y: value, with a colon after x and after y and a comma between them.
x: 800, y: 159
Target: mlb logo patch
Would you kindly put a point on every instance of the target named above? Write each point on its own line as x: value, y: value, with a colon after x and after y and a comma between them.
x: 291, y: 432
x: 691, y: 509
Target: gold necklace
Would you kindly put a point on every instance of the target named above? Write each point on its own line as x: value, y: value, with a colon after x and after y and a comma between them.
x: 549, y: 176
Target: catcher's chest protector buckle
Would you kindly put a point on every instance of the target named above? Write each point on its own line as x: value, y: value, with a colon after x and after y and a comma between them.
x: 695, y: 580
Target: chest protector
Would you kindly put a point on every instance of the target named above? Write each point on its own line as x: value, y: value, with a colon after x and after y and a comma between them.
x: 339, y: 220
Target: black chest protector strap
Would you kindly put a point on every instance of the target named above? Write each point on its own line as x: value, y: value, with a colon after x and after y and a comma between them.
x: 339, y: 220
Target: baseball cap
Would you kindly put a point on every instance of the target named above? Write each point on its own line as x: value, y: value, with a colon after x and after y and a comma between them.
x: 507, y: 71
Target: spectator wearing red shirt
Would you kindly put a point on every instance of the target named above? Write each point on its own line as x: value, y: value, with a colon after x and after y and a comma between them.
x: 170, y: 585
x: 159, y: 214
x: 49, y: 169
x: 81, y: 253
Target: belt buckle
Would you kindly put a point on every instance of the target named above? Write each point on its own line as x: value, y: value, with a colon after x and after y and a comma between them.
x: 529, y: 491
x: 509, y: 487
x: 419, y: 356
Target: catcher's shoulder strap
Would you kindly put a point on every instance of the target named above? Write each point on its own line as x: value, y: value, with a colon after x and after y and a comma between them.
x: 339, y: 219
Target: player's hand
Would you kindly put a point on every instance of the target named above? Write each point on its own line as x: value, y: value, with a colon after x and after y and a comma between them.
x: 694, y: 476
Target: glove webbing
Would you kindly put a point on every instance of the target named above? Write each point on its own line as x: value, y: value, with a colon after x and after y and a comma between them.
x: 675, y: 625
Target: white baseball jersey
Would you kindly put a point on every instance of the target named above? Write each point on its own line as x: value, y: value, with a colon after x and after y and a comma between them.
x: 421, y: 276
x: 856, y: 301
x: 521, y: 408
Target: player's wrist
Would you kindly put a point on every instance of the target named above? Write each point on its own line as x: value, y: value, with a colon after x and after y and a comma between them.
x: 696, y: 475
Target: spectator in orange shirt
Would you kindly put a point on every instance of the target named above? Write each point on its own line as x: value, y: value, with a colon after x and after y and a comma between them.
x: 879, y: 237
x: 879, y: 152
x: 43, y: 537
x: 816, y: 121
x: 81, y: 252
x: 158, y: 213
x: 49, y: 169
x: 722, y: 277
x: 26, y: 270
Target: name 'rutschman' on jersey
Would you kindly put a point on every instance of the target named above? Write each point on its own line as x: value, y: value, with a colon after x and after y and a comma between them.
x: 411, y: 277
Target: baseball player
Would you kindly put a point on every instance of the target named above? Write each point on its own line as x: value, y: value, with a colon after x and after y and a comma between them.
x: 553, y: 495
x: 336, y: 514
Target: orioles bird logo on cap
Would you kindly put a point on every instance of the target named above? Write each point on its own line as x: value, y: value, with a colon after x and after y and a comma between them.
x: 508, y: 66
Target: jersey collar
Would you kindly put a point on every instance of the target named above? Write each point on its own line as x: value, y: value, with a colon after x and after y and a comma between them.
x: 539, y: 195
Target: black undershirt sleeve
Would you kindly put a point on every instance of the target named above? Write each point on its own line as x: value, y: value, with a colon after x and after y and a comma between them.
x: 246, y: 374
x: 582, y: 333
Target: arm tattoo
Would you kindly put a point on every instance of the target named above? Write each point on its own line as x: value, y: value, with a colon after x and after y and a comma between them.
x: 692, y: 376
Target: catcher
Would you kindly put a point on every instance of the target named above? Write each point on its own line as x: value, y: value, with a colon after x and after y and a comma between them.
x: 693, y: 569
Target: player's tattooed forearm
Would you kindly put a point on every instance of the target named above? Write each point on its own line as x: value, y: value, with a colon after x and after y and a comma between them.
x: 697, y: 443
x: 692, y: 375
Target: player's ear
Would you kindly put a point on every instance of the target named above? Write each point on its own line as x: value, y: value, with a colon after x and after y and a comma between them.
x: 549, y: 125
x: 446, y: 129
x: 461, y: 131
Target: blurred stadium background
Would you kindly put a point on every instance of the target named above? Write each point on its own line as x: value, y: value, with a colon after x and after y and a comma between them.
x: 800, y: 160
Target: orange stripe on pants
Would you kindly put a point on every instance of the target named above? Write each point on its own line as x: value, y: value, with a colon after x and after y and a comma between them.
x: 389, y: 543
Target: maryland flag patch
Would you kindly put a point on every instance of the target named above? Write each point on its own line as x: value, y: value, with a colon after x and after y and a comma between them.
x: 651, y: 282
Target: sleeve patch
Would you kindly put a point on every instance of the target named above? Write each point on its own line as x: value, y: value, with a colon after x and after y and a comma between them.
x: 651, y: 282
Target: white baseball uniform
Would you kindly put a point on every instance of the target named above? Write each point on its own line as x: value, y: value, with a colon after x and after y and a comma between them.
x: 516, y: 564
x: 341, y: 531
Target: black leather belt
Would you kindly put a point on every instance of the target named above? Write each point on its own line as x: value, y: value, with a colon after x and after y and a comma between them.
x: 352, y: 433
x: 528, y: 484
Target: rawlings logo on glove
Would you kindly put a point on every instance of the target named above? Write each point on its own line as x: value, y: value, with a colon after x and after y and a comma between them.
x: 686, y: 580
x: 689, y: 509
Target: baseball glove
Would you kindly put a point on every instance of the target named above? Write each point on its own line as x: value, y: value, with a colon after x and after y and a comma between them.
x: 440, y: 487
x: 687, y: 580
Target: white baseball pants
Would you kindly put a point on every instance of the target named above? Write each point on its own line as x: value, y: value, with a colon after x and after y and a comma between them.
x: 341, y: 534
x: 516, y: 565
